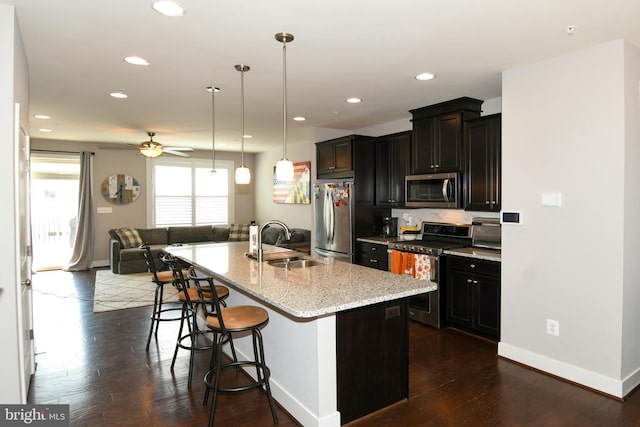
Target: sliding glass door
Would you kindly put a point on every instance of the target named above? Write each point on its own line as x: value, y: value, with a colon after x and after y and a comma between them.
x: 54, y: 206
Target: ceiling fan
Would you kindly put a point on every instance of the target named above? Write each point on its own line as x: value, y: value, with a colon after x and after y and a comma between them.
x: 152, y: 148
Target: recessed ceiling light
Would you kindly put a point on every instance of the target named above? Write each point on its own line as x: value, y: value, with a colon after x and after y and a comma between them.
x: 571, y: 29
x: 299, y: 119
x: 42, y: 116
x: 425, y: 76
x: 45, y: 130
x: 136, y: 60
x: 248, y: 136
x: 119, y: 95
x: 168, y: 8
x: 354, y: 100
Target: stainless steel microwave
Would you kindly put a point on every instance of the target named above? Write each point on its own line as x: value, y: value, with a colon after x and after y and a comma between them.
x: 438, y: 190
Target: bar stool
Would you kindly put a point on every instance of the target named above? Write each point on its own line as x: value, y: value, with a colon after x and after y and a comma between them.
x: 192, y: 299
x: 224, y: 322
x: 160, y: 278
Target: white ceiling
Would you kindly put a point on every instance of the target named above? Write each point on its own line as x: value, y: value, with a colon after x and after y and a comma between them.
x: 370, y: 49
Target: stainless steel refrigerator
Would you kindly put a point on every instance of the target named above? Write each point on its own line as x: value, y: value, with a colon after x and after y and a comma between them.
x: 333, y: 219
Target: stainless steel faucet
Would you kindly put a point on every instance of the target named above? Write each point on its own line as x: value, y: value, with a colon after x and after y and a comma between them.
x: 287, y: 234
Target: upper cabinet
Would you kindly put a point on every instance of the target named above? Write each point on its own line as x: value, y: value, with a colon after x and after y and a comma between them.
x: 349, y: 157
x: 392, y: 165
x: 335, y: 158
x: 483, y: 163
x: 437, y: 141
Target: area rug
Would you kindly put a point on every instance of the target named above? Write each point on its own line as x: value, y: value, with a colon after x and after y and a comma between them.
x: 120, y: 291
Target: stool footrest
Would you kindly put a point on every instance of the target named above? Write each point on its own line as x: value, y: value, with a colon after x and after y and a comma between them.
x: 266, y: 373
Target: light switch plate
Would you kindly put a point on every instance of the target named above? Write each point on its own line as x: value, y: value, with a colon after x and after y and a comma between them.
x: 106, y: 209
x: 551, y: 199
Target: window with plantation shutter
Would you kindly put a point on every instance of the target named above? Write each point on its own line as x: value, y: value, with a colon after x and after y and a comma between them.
x: 186, y: 192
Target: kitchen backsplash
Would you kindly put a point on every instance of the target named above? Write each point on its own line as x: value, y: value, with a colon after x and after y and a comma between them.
x: 457, y: 216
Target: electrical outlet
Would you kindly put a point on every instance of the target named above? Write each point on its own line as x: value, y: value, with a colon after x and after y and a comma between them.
x: 392, y: 312
x: 553, y: 327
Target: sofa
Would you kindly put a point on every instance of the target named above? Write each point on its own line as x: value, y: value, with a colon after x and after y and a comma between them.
x: 126, y: 257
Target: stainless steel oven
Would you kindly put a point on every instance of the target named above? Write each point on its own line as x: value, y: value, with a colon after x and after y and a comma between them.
x: 428, y: 308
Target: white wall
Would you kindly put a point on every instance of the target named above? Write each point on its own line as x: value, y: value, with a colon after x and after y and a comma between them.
x: 13, y: 88
x: 631, y: 291
x: 563, y: 130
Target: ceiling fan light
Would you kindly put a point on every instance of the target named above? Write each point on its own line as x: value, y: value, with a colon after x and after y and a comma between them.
x: 284, y: 170
x: 243, y: 175
x: 150, y: 149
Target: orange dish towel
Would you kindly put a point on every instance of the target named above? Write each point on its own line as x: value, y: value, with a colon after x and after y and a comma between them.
x: 422, y: 267
x: 408, y: 264
x: 396, y: 262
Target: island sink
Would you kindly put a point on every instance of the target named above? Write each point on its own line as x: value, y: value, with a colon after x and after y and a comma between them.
x: 295, y: 263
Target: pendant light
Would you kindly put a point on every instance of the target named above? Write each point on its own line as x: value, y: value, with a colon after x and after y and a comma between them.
x: 284, y: 167
x: 243, y: 174
x: 213, y: 90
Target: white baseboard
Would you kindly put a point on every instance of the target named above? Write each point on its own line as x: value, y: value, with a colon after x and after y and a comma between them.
x: 611, y: 386
x: 100, y: 263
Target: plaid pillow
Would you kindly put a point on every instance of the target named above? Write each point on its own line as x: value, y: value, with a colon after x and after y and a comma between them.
x: 238, y: 232
x: 129, y: 237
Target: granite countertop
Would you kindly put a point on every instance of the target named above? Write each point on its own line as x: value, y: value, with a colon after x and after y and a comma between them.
x: 303, y: 292
x: 377, y: 240
x: 478, y: 253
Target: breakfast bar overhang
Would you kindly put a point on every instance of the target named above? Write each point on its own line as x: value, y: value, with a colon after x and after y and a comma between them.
x: 337, y: 337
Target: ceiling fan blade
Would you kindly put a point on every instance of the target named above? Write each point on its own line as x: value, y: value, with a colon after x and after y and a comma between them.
x: 176, y: 153
x: 178, y: 148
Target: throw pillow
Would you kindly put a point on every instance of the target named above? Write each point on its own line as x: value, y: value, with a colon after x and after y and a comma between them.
x: 238, y: 232
x: 129, y: 237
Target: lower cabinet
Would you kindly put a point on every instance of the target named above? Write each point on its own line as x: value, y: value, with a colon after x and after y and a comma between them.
x: 372, y: 346
x: 473, y: 295
x: 372, y: 255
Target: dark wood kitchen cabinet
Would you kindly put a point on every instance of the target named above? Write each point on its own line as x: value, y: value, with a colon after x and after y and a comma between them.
x: 392, y: 165
x: 372, y: 346
x: 473, y: 295
x: 437, y: 140
x: 483, y: 163
x: 372, y: 255
x: 335, y: 158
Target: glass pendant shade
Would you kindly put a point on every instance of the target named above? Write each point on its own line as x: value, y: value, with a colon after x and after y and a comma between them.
x: 243, y: 175
x: 284, y: 170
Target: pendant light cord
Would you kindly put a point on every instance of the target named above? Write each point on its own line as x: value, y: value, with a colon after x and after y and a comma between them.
x: 242, y: 114
x: 213, y: 129
x: 284, y: 99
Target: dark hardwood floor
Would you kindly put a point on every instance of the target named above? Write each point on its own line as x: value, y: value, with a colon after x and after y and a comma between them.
x: 97, y: 363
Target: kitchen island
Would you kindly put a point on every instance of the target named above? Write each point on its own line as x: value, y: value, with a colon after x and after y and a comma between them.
x: 337, y: 338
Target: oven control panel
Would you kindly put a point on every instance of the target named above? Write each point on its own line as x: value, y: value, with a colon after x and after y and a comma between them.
x: 417, y: 249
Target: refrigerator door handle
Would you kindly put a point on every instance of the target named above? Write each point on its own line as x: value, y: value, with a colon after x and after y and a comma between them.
x: 325, y: 219
x: 332, y: 222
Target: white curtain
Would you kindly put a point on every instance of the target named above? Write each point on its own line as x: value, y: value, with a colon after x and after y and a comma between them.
x: 83, y: 244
